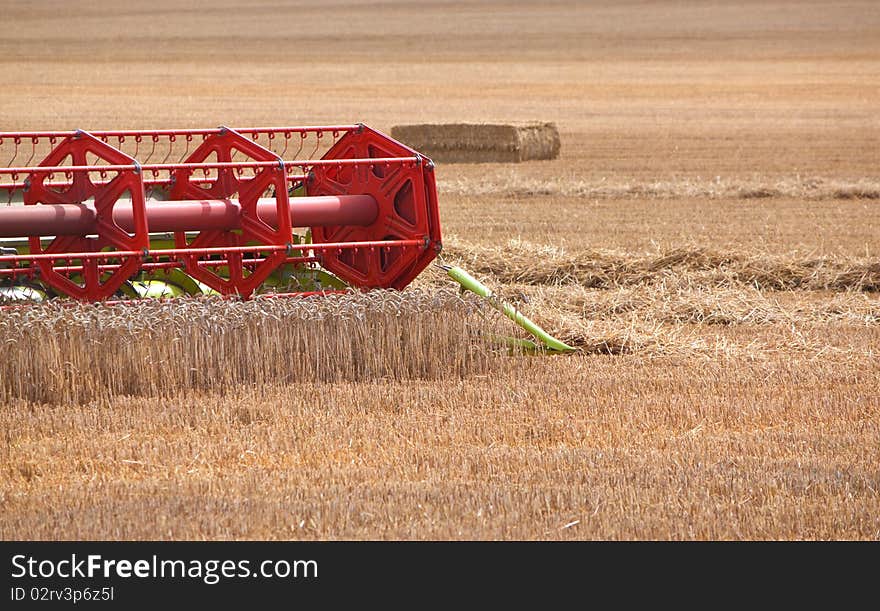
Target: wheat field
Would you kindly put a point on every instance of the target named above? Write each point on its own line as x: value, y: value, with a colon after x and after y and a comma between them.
x: 708, y: 240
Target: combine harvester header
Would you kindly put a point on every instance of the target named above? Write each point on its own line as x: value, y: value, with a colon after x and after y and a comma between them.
x: 103, y: 215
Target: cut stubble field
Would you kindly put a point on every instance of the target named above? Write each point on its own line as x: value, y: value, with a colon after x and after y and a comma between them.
x: 708, y: 240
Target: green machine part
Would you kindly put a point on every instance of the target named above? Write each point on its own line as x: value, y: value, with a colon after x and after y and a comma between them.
x: 470, y: 283
x: 22, y: 293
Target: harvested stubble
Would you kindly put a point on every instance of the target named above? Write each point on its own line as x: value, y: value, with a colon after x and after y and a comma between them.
x: 627, y: 447
x: 481, y: 142
x: 72, y: 354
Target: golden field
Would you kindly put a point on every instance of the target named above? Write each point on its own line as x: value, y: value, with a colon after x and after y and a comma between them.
x: 708, y: 239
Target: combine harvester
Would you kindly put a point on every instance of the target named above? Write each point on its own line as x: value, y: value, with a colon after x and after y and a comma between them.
x: 112, y: 216
x: 107, y: 215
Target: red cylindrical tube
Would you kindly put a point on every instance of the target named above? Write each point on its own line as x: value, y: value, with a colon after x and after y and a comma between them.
x: 187, y: 215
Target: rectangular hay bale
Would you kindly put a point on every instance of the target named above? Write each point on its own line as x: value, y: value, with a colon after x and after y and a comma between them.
x: 481, y: 142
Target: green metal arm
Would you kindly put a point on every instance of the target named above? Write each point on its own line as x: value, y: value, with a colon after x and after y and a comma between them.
x: 470, y: 283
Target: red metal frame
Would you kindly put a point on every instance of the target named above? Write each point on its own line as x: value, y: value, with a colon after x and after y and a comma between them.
x: 94, y: 285
x: 241, y: 281
x: 220, y: 164
x: 407, y: 198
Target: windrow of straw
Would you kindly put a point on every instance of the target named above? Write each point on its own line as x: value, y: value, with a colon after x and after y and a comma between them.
x: 511, y: 182
x: 521, y: 263
x: 61, y: 353
x: 700, y: 322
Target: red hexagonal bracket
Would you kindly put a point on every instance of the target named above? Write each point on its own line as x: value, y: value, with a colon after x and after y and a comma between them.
x: 96, y: 283
x: 407, y: 197
x: 243, y: 277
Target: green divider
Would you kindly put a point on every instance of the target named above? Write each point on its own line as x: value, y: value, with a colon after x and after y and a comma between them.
x: 475, y: 286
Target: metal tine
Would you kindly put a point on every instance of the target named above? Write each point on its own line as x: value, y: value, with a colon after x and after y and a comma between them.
x: 16, y: 142
x: 318, y: 136
x: 171, y: 140
x: 155, y: 139
x: 155, y: 173
x: 185, y: 153
x: 33, y: 150
x: 286, y: 144
x: 302, y: 139
x: 271, y: 137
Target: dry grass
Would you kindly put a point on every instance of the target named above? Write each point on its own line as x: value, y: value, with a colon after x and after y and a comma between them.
x: 707, y: 237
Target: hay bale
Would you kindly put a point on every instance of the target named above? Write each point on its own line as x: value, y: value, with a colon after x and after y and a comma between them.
x: 481, y: 142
